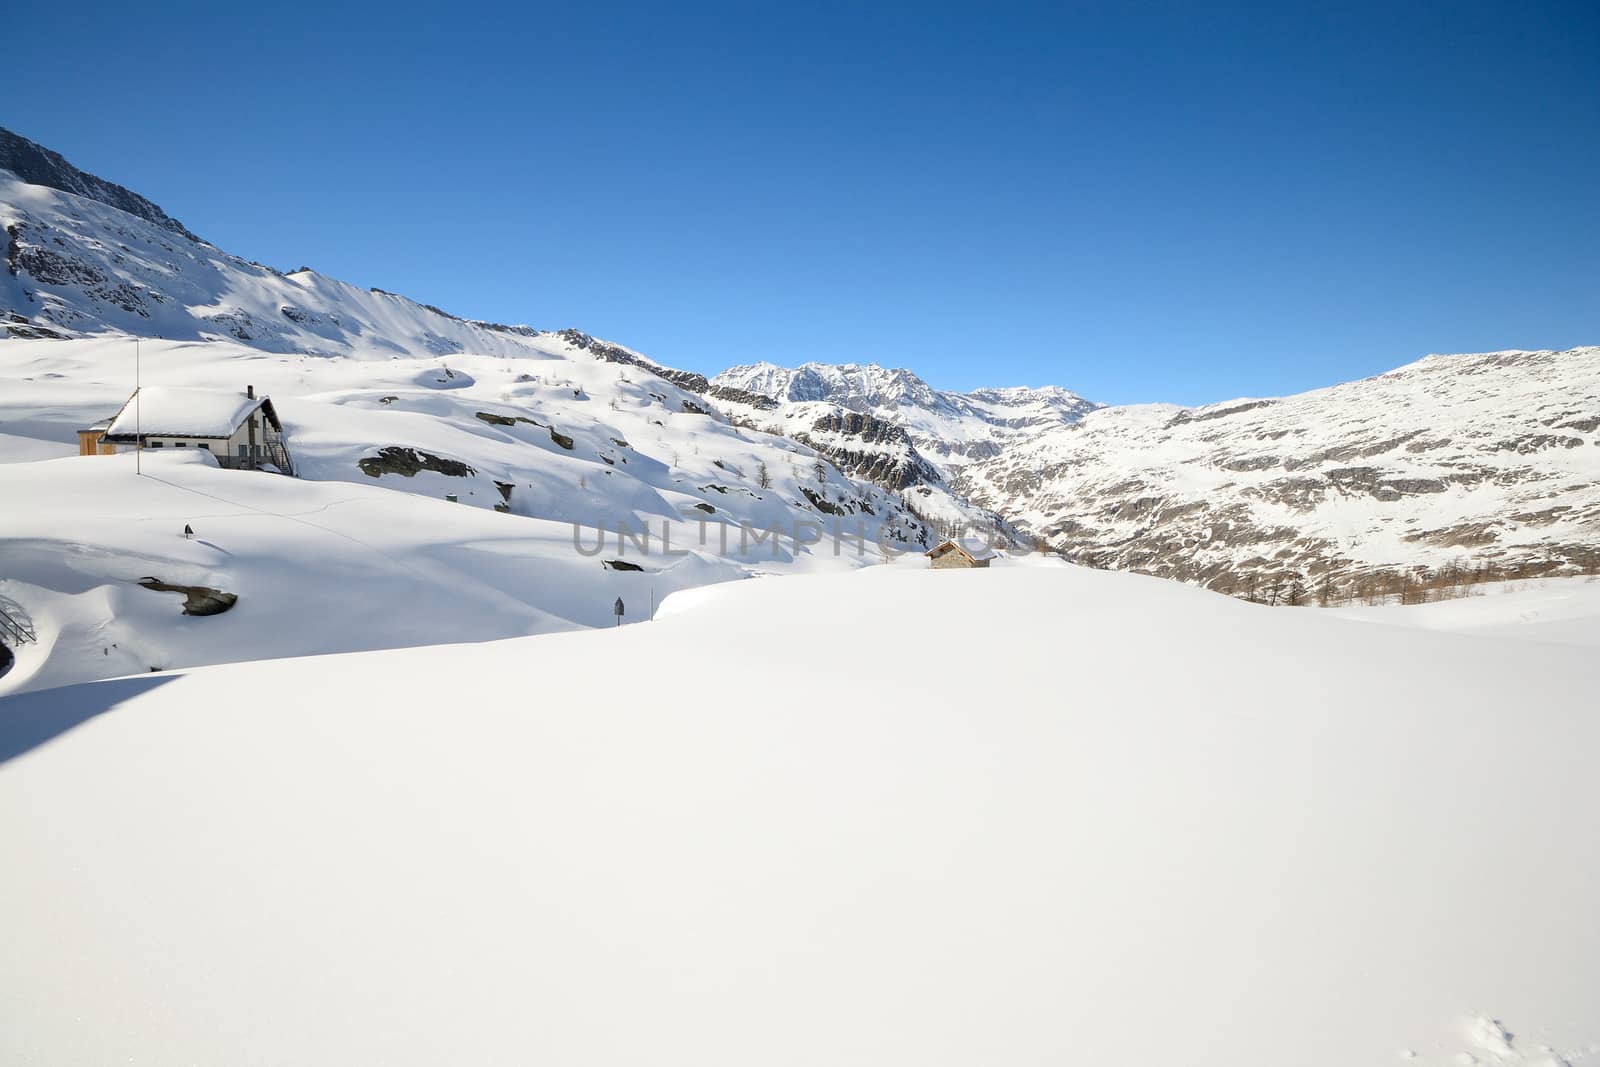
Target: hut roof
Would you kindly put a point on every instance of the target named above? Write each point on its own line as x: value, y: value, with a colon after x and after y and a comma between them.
x: 170, y: 411
x: 976, y: 553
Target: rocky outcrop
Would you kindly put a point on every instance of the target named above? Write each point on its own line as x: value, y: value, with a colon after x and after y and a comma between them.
x: 820, y: 502
x: 49, y: 266
x: 561, y: 440
x: 864, y: 446
x: 694, y: 383
x: 406, y: 462
x: 503, y: 420
x: 19, y: 327
x: 197, y: 599
x: 731, y: 395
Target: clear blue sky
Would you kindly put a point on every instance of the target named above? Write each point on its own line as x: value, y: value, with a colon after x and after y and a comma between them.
x: 1137, y: 201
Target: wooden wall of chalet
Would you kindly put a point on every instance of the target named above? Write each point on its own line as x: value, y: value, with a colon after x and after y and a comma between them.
x: 89, y: 444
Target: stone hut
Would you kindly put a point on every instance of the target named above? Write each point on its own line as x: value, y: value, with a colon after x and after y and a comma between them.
x: 952, y: 553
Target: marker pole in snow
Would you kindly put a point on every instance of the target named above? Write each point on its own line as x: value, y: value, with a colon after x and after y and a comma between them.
x: 138, y: 417
x: 616, y: 609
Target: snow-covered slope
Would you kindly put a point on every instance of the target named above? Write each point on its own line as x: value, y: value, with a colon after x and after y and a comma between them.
x: 37, y: 165
x: 556, y: 434
x: 732, y: 836
x: 317, y: 567
x: 1491, y: 458
x: 85, y: 256
x: 1561, y: 610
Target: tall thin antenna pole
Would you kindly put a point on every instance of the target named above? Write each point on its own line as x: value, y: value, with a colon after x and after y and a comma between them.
x: 138, y: 416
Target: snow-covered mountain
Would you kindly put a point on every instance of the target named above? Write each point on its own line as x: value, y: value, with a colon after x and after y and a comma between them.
x: 85, y: 256
x: 892, y: 428
x: 552, y: 429
x: 562, y: 443
x: 948, y: 429
x: 1483, y: 459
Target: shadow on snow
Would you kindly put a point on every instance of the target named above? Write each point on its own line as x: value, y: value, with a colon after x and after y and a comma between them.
x: 29, y: 720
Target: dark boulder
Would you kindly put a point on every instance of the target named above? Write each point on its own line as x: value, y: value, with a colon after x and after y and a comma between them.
x: 197, y: 599
x: 406, y: 462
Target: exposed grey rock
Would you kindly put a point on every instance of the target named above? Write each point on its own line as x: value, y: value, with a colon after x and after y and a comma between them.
x: 695, y: 383
x: 197, y: 599
x: 759, y: 401
x: 406, y: 462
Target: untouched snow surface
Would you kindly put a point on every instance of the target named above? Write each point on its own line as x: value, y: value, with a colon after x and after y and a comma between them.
x: 1028, y: 815
x: 1563, y: 610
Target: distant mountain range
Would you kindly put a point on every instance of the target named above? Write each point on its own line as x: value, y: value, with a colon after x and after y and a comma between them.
x: 1492, y: 457
x: 950, y: 429
x: 1489, y: 459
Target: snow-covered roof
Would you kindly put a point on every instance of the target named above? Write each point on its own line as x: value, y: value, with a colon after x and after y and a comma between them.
x: 974, y: 552
x: 171, y: 411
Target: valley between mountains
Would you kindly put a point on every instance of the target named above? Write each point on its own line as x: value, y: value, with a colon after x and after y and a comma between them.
x: 1482, y: 463
x: 328, y: 737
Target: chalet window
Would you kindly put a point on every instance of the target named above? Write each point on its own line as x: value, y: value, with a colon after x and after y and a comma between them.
x: 155, y: 444
x: 180, y: 444
x: 203, y: 445
x: 244, y: 451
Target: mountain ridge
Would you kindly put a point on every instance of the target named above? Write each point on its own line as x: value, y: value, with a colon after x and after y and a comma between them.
x: 1487, y: 457
x: 38, y: 165
x: 1124, y: 486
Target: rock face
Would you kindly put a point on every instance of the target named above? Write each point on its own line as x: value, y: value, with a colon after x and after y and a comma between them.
x: 695, y: 383
x: 1481, y: 459
x: 864, y: 446
x: 730, y: 395
x: 890, y: 427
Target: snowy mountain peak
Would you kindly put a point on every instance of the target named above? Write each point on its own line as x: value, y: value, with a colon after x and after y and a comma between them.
x: 870, y: 387
x: 37, y: 165
x: 1484, y: 460
x: 858, y: 386
x: 1487, y: 457
x: 948, y: 428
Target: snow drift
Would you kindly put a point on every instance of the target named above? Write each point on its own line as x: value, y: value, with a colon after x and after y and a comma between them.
x: 1023, y: 815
